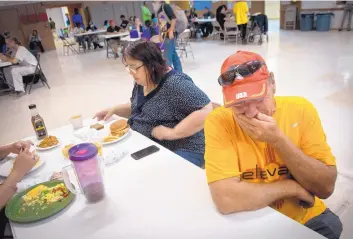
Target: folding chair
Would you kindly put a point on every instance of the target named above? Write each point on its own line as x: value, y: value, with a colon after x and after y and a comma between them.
x: 217, y: 30
x: 38, y: 73
x: 183, y: 43
x: 231, y: 31
x: 67, y: 46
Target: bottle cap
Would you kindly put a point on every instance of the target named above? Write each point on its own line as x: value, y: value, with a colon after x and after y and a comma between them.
x: 32, y: 106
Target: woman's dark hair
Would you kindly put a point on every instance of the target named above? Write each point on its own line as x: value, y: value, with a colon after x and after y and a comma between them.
x: 35, y: 31
x: 122, y: 16
x: 76, y: 10
x: 151, y: 56
x: 105, y: 22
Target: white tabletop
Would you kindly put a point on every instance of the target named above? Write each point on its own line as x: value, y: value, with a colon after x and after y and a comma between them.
x: 203, y: 20
x: 120, y: 34
x: 5, y: 64
x: 159, y: 196
x: 90, y: 33
x: 129, y: 39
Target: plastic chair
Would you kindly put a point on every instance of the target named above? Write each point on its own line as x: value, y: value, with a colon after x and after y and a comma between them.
x: 183, y: 43
x: 39, y: 74
x: 231, y: 31
x: 217, y: 30
x: 290, y: 17
x: 67, y: 46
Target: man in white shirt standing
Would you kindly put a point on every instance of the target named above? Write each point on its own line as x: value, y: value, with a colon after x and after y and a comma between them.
x: 25, y: 65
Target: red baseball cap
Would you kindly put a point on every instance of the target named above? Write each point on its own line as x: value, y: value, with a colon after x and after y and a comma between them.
x: 251, y: 87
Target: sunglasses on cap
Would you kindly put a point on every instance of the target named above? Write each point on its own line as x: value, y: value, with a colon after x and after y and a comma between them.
x: 239, y: 72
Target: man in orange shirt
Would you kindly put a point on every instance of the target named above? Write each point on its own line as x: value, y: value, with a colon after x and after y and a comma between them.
x: 263, y: 150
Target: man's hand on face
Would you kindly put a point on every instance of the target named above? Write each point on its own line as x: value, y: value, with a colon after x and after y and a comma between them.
x: 262, y: 127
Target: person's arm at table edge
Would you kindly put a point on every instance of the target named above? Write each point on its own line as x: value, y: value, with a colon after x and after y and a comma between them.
x: 192, y: 124
x: 232, y: 195
x: 122, y: 110
x: 315, y: 176
x: 7, y: 189
x: 9, y: 59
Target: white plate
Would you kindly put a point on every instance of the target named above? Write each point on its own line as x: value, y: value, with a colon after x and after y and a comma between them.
x: 117, y: 140
x: 5, y: 169
x: 44, y: 149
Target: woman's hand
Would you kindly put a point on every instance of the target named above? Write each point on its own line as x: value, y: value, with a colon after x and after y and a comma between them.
x: 104, y: 114
x: 24, y: 163
x: 171, y: 34
x: 19, y: 146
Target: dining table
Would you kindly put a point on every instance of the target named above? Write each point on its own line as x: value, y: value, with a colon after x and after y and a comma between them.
x: 90, y: 33
x: 156, y: 197
x: 106, y: 38
x: 204, y: 20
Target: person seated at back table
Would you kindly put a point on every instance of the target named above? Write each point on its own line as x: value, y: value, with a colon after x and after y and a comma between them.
x: 149, y: 30
x: 25, y: 64
x: 82, y: 39
x: 115, y: 41
x: 207, y: 27
x: 24, y: 162
x: 124, y: 23
x: 77, y: 18
x: 165, y: 106
x: 35, y: 41
x: 263, y: 150
x: 2, y: 45
x: 93, y: 37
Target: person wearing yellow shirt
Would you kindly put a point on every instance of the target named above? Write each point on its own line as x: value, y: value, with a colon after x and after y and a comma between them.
x: 241, y: 16
x: 262, y: 150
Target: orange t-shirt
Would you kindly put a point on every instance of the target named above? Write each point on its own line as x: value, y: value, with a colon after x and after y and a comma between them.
x: 230, y: 152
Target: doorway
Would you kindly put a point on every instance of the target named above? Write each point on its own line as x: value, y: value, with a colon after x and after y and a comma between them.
x: 272, y: 11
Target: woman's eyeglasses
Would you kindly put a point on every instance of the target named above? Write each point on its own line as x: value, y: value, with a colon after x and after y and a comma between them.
x: 239, y: 72
x: 131, y: 69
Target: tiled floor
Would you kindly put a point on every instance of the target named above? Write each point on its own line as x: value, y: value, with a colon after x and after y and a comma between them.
x: 316, y: 65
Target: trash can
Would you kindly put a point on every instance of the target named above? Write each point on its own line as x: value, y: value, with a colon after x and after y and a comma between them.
x: 306, y: 21
x: 323, y: 21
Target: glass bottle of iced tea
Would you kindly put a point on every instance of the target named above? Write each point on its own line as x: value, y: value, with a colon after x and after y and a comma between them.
x: 38, y: 123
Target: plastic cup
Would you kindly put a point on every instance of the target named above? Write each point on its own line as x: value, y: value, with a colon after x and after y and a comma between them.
x: 76, y: 121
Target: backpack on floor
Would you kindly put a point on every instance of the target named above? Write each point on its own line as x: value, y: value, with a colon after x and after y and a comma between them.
x: 181, y: 19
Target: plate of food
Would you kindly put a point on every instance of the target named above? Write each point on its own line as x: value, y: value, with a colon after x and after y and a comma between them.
x: 39, y: 201
x: 118, y: 131
x: 48, y: 143
x: 7, y: 167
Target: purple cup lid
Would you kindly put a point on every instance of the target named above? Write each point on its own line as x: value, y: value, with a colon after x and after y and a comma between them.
x: 82, y: 152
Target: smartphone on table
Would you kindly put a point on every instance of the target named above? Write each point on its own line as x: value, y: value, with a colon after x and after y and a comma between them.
x: 145, y: 152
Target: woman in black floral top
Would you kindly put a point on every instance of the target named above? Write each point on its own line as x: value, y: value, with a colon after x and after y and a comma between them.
x: 166, y: 105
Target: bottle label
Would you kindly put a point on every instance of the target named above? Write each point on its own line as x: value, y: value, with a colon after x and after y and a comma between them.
x: 40, y: 129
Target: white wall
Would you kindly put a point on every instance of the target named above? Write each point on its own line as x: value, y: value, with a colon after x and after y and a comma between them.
x: 338, y: 15
x: 272, y: 9
x: 101, y: 11
x: 57, y: 16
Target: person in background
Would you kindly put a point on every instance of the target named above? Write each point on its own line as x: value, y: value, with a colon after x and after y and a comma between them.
x: 93, y: 37
x: 348, y: 10
x: 137, y: 25
x: 82, y: 39
x: 265, y: 150
x: 220, y: 17
x: 77, y: 18
x: 35, y: 41
x: 207, y: 27
x: 168, y: 32
x: 24, y: 162
x: 2, y: 44
x: 51, y: 24
x: 106, y: 24
x: 241, y: 12
x: 124, y: 23
x: 149, y: 31
x: 146, y: 13
x: 25, y: 65
x: 68, y: 22
x: 158, y: 88
x: 115, y: 41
